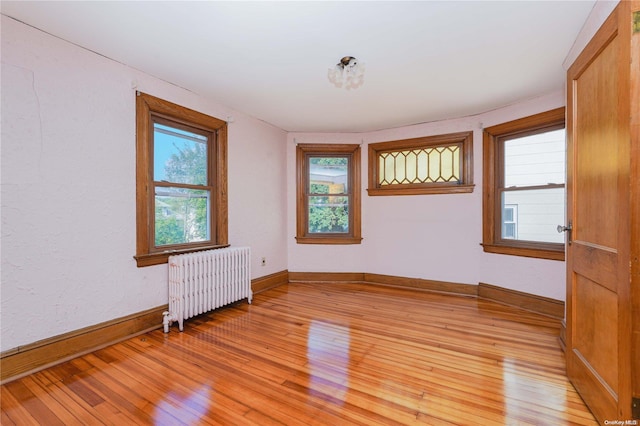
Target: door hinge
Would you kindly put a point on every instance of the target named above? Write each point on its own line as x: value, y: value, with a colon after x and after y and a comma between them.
x: 635, y: 408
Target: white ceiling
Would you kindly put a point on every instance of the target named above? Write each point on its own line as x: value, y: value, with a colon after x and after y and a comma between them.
x: 425, y: 60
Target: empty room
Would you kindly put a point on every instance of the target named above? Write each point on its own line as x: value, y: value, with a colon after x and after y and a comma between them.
x: 330, y: 213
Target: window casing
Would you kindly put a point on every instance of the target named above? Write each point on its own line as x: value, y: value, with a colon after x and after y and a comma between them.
x: 524, y: 186
x: 328, y: 194
x: 181, y: 172
x: 430, y: 165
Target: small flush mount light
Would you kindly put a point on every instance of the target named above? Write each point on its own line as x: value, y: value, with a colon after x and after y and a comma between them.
x: 348, y: 73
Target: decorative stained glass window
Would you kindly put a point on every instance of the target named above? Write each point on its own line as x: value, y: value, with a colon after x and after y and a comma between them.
x: 435, y: 164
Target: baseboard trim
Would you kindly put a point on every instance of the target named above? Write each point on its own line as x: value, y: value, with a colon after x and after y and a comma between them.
x: 562, y: 339
x: 269, y: 281
x: 422, y: 284
x: 530, y: 302
x: 28, y: 359
x: 379, y: 279
x: 326, y: 277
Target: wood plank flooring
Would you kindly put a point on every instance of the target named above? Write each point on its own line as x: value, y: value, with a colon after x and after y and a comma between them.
x: 328, y: 354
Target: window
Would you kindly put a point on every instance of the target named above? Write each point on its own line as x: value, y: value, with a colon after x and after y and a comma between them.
x: 510, y: 221
x: 181, y: 180
x: 524, y: 186
x: 328, y: 194
x: 430, y: 165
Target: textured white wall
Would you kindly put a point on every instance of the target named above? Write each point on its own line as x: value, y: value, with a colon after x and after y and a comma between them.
x: 68, y: 188
x: 433, y: 237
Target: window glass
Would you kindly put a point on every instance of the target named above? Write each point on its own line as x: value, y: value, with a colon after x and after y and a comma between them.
x: 181, y: 216
x: 534, y: 161
x: 539, y: 213
x: 328, y: 175
x: 537, y: 159
x: 328, y: 214
x: 179, y: 156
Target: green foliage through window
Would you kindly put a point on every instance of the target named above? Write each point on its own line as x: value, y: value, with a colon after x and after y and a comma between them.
x: 328, y: 214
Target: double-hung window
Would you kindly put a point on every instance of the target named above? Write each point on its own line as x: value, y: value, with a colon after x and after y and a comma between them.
x: 181, y: 180
x: 328, y: 194
x: 524, y: 186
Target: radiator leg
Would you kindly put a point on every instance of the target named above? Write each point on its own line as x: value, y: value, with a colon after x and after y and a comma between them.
x: 166, y: 321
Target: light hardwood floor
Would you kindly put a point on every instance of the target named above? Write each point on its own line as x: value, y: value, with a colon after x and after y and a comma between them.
x: 324, y: 354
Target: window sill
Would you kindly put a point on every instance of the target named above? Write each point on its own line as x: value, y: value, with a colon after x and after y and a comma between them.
x: 163, y: 257
x: 540, y: 253
x: 328, y: 240
x: 439, y: 189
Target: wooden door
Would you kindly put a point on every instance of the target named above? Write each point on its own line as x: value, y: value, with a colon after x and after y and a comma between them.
x: 599, y: 309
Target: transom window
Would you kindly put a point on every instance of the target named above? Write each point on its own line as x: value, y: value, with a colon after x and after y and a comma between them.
x: 524, y: 169
x: 429, y: 165
x: 181, y: 180
x: 328, y: 208
x: 426, y: 165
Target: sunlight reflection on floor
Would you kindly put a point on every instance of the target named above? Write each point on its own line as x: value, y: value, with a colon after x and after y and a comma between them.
x: 328, y: 347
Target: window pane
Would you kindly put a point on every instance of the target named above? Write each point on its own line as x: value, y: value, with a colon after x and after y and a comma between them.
x: 389, y: 174
x: 328, y: 214
x: 535, y: 215
x: 535, y: 160
x: 181, y: 216
x: 509, y: 231
x: 328, y: 175
x: 508, y: 214
x: 423, y: 165
x: 510, y: 221
x: 179, y: 156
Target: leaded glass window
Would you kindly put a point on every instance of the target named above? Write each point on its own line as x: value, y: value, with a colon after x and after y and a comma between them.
x: 429, y: 165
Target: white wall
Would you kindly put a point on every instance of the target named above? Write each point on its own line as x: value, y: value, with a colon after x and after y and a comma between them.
x: 68, y: 188
x: 433, y: 237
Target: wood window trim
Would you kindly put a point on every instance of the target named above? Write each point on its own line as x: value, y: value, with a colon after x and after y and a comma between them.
x: 464, y: 139
x: 303, y: 151
x: 493, y: 164
x: 146, y: 107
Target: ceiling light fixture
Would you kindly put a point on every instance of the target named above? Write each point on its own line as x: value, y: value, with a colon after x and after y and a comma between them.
x: 348, y: 73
